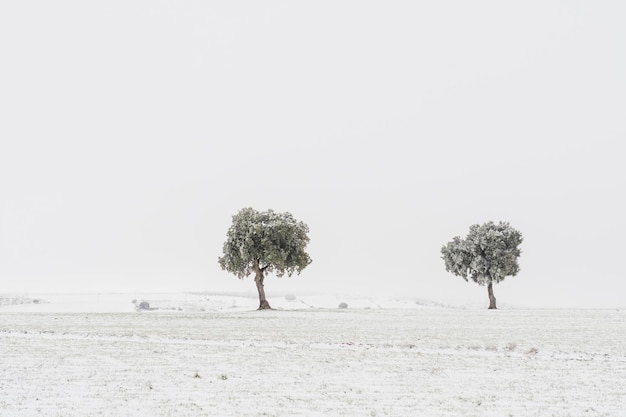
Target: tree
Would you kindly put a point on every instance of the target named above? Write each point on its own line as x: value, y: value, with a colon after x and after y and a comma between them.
x: 264, y: 242
x: 486, y: 256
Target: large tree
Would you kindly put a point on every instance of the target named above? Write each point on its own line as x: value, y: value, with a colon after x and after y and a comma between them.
x: 487, y: 255
x: 261, y: 242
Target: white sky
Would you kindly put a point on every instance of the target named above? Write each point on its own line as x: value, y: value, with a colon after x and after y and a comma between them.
x: 131, y: 131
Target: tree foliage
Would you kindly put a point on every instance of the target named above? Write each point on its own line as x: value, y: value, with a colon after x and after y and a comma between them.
x: 487, y: 255
x: 274, y: 242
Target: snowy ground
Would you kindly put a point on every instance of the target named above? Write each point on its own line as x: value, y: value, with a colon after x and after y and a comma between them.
x: 213, y: 355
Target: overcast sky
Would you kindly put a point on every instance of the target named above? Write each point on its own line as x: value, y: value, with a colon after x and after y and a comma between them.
x: 131, y: 131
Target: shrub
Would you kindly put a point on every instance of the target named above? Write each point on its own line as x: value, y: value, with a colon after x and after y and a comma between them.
x: 343, y: 305
x: 144, y: 305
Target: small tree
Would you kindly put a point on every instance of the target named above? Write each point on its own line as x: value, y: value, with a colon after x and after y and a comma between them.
x: 487, y: 255
x: 263, y: 242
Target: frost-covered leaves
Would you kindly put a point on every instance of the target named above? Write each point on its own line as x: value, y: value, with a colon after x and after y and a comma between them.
x: 270, y: 240
x: 489, y: 253
x: 457, y: 257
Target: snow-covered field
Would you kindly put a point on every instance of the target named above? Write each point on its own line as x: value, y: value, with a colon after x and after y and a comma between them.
x: 213, y: 355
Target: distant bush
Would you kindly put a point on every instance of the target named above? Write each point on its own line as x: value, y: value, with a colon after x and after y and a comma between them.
x: 290, y: 297
x: 8, y: 301
x: 144, y: 305
x: 343, y: 305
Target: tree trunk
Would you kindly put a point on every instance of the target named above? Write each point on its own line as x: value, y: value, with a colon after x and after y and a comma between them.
x: 258, y: 279
x: 492, y: 298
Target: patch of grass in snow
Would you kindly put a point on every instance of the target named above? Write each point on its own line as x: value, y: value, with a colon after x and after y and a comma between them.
x: 532, y: 351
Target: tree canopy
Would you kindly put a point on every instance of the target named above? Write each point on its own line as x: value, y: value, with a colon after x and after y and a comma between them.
x: 263, y: 242
x: 487, y: 255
